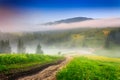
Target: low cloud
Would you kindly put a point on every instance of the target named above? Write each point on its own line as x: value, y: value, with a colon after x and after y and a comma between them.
x: 98, y: 23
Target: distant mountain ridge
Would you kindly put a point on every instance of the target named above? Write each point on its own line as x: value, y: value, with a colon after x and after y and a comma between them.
x: 69, y: 20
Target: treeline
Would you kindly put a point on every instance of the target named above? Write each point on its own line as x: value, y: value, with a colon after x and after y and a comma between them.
x: 82, y: 37
x: 5, y: 47
x: 74, y: 38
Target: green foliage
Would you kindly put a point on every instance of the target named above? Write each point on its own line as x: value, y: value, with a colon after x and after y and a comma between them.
x: 83, y: 68
x: 13, y: 61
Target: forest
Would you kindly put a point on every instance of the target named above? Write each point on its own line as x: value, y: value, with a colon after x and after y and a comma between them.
x: 76, y: 38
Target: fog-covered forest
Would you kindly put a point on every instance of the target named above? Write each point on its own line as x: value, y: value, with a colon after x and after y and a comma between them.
x: 27, y: 42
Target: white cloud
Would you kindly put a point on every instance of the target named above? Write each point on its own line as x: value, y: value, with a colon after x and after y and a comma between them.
x: 99, y: 23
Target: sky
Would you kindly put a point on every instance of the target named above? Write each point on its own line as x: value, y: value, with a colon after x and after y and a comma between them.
x: 48, y: 4
x: 31, y: 12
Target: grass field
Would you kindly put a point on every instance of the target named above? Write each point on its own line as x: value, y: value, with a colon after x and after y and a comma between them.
x: 91, y: 68
x: 18, y: 61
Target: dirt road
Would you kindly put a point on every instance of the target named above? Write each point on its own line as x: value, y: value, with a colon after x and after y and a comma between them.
x: 48, y: 73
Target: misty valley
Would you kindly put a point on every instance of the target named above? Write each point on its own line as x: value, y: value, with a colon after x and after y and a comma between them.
x: 28, y: 51
x: 91, y: 39
x: 59, y: 39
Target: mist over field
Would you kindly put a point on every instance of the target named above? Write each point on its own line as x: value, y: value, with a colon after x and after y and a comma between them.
x: 93, y: 40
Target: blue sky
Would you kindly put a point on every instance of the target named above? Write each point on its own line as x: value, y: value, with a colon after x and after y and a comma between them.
x: 21, y: 15
x: 62, y: 3
x: 40, y: 11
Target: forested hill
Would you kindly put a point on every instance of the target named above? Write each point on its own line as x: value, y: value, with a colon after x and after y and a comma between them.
x: 81, y: 37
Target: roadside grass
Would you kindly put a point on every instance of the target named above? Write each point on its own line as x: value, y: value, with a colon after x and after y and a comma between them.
x: 10, y: 62
x: 91, y: 68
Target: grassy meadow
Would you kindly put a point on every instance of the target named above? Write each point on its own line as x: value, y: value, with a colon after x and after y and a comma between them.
x: 10, y: 62
x: 91, y: 68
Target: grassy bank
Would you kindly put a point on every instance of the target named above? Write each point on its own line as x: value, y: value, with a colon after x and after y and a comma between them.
x: 10, y: 62
x: 91, y: 68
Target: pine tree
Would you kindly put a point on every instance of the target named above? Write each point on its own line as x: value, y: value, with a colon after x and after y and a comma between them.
x: 38, y: 50
x: 5, y: 46
x: 20, y: 46
x: 1, y: 46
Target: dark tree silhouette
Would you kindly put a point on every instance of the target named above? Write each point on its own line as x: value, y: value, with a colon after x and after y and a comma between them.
x: 5, y: 46
x: 20, y: 46
x: 39, y: 50
x: 107, y: 42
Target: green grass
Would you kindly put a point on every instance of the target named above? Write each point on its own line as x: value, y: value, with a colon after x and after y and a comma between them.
x: 20, y: 61
x: 91, y: 68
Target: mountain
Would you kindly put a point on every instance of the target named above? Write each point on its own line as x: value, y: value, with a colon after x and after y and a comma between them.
x: 69, y: 20
x: 95, y: 23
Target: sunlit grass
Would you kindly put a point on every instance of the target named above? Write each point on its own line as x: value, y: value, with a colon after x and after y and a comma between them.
x: 18, y: 61
x: 103, y: 58
x: 91, y: 68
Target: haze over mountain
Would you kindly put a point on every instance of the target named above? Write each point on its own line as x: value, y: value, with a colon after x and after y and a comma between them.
x: 91, y: 23
x: 70, y: 23
x: 69, y: 20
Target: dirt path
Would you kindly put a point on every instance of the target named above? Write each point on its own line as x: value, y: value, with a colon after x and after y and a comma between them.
x: 48, y: 73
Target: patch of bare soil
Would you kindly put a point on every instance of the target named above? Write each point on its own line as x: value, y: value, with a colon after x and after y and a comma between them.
x: 48, y: 73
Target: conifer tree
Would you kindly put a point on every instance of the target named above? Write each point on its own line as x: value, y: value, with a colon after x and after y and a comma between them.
x: 39, y: 50
x: 20, y: 46
x: 5, y: 46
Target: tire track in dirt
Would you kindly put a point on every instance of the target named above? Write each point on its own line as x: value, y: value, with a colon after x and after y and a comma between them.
x: 48, y: 73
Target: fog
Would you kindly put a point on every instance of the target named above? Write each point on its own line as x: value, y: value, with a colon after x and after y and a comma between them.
x: 27, y: 27
x: 96, y: 23
x: 55, y: 51
x: 92, y: 41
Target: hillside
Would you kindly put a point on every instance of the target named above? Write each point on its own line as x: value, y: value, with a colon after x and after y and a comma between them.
x: 72, y: 38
